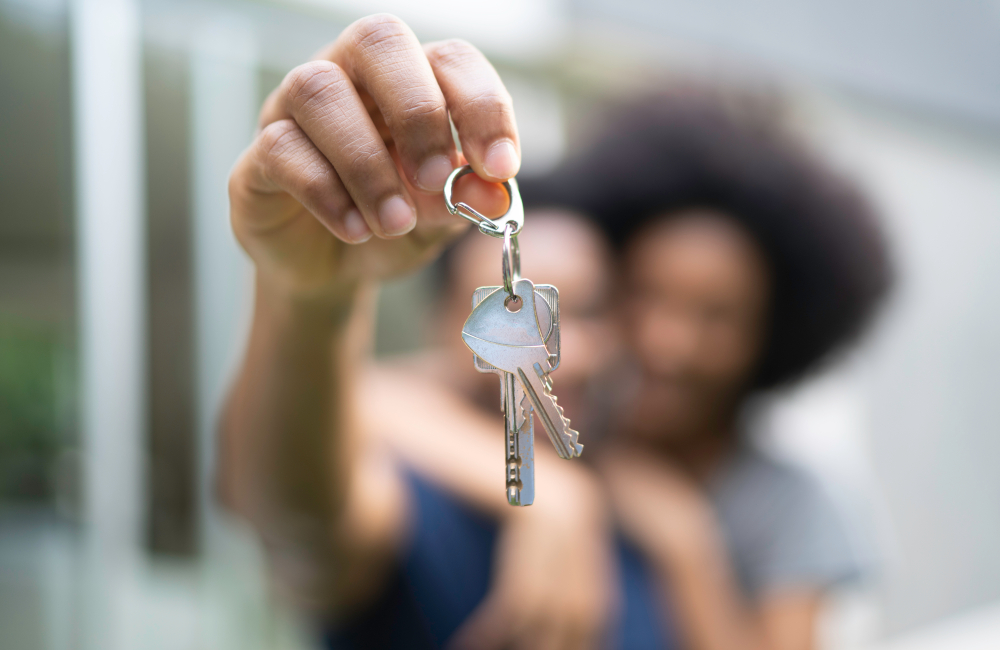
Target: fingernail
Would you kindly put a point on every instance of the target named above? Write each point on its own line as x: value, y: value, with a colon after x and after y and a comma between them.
x: 502, y: 160
x: 396, y: 216
x: 355, y: 227
x: 433, y: 173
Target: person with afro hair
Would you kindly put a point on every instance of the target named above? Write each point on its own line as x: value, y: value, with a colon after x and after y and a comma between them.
x: 745, y: 264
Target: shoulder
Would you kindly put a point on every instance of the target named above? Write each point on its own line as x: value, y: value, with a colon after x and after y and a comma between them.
x: 757, y: 483
x: 782, y: 525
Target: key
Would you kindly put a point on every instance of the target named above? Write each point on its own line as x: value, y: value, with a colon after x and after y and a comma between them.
x: 512, y: 341
x: 519, y: 425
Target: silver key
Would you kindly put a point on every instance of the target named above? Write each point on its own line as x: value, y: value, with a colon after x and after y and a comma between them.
x: 513, y: 342
x: 519, y: 442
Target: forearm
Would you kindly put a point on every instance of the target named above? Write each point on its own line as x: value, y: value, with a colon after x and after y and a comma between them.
x: 705, y: 598
x: 438, y: 433
x: 460, y: 446
x: 288, y: 429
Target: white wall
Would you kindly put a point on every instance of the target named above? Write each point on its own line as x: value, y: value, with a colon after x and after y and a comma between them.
x: 917, y: 409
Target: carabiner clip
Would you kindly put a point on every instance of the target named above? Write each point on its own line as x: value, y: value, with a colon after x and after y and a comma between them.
x: 493, y: 227
x: 510, y: 264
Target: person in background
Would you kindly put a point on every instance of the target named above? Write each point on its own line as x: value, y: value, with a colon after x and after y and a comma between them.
x: 743, y: 264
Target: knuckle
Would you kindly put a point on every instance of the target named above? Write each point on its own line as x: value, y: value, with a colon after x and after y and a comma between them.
x: 379, y: 32
x: 364, y: 156
x: 317, y: 190
x: 312, y: 80
x: 454, y: 52
x: 285, y: 159
x: 276, y: 143
x: 494, y: 101
x: 427, y: 111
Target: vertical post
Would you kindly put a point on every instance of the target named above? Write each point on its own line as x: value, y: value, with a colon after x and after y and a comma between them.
x: 107, y: 112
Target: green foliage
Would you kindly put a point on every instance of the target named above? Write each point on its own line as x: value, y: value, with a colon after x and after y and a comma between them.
x: 33, y: 408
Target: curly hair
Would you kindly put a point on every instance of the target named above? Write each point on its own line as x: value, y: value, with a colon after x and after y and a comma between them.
x: 825, y: 247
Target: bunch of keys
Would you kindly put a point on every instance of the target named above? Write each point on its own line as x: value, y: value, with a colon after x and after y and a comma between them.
x: 513, y: 332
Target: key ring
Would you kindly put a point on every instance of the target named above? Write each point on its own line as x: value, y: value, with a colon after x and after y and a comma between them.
x: 511, y: 263
x: 492, y: 227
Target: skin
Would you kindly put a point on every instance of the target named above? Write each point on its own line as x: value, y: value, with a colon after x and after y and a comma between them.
x: 697, y: 294
x: 341, y: 189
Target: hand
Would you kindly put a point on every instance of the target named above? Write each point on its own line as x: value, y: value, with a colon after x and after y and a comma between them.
x: 658, y: 507
x: 554, y: 584
x: 356, y: 146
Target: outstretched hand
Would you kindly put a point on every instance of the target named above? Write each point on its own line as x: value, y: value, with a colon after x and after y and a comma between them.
x: 343, y: 181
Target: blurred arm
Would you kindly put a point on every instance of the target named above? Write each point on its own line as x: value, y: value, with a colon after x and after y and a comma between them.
x: 440, y: 434
x: 713, y: 613
x: 293, y: 460
x: 672, y: 522
x: 460, y: 446
x: 342, y: 188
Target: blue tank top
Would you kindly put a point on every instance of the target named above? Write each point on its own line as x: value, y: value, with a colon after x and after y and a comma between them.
x: 445, y: 573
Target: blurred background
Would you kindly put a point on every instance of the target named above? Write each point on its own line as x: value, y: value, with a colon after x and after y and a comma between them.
x: 124, y: 299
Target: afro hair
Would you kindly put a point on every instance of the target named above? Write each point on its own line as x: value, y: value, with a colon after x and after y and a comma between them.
x: 689, y: 149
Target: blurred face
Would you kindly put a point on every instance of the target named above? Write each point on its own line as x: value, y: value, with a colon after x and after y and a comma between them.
x: 561, y: 249
x: 697, y: 292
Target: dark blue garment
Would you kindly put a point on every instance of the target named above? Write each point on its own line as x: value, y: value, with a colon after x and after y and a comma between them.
x: 445, y: 574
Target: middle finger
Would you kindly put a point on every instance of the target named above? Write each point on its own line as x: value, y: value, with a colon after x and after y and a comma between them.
x: 383, y: 57
x: 326, y: 106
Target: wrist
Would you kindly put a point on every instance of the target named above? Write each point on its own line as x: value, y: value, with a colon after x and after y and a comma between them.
x: 326, y: 309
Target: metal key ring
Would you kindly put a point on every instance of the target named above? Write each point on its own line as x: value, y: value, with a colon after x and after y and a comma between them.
x: 493, y: 227
x: 511, y: 262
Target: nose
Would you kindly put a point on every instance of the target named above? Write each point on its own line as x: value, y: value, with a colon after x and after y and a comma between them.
x: 668, y: 341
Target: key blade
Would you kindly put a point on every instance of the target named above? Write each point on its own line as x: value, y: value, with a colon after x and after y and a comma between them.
x: 550, y: 414
x: 520, y: 451
x: 525, y: 449
x: 512, y: 461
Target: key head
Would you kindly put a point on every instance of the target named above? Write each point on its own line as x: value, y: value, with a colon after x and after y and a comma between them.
x: 547, y: 312
x: 504, y: 335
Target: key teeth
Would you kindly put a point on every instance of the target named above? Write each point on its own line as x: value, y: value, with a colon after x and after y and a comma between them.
x: 571, y: 433
x: 575, y: 448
